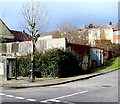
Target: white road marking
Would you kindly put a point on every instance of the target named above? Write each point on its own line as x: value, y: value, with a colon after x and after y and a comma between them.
x: 56, y: 99
x: 71, y: 95
x: 2, y: 94
x: 31, y: 99
x: 19, y: 98
x: 9, y: 95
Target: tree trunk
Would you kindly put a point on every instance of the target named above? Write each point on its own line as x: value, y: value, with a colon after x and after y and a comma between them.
x: 33, y: 61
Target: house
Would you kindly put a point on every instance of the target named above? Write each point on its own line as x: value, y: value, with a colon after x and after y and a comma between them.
x: 101, y: 33
x: 109, y: 32
x: 116, y: 34
x: 7, y: 35
x: 78, y: 36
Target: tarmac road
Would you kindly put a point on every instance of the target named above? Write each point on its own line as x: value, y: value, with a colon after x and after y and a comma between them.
x: 103, y: 88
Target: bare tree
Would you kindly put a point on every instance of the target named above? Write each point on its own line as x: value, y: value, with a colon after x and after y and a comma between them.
x: 66, y: 27
x: 35, y: 19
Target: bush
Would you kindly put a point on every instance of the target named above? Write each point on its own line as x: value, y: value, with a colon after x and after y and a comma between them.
x: 52, y: 63
x: 23, y: 66
x: 57, y: 63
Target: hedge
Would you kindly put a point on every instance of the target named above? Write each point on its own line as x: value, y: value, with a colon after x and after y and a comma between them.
x: 52, y: 63
x: 23, y: 66
x: 57, y: 63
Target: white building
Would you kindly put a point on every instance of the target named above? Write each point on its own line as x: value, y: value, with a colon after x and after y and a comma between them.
x: 101, y: 33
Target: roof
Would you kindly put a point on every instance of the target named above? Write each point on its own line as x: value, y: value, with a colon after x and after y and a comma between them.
x: 5, y: 31
x: 85, y: 46
x: 55, y: 34
x: 20, y: 36
x: 1, y: 21
x: 71, y: 44
x: 109, y: 26
x: 117, y: 26
x: 106, y: 26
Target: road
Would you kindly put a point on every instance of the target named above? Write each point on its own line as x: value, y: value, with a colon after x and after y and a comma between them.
x: 103, y: 88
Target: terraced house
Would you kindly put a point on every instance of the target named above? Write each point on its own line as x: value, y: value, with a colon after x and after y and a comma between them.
x: 106, y: 32
x: 116, y: 34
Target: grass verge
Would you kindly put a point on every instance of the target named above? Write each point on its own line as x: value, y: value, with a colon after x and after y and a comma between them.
x: 113, y: 63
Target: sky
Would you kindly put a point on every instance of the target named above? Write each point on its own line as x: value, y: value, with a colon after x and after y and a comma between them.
x: 76, y: 12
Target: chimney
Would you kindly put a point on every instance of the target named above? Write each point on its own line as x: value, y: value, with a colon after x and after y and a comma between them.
x: 110, y: 23
x: 23, y: 31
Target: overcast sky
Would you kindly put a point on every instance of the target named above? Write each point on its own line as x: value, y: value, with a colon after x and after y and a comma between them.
x: 77, y: 12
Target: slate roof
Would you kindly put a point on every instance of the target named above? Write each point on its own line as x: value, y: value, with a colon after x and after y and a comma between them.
x: 107, y: 26
x: 20, y: 36
x: 117, y: 26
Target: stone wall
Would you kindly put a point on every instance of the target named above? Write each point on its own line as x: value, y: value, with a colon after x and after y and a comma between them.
x: 47, y: 43
x: 24, y: 48
x: 56, y: 43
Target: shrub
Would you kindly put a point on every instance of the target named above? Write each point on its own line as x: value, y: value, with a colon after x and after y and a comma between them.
x: 57, y: 63
x: 52, y: 63
x: 23, y: 66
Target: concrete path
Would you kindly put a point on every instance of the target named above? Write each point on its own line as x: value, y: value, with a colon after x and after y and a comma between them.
x: 42, y: 82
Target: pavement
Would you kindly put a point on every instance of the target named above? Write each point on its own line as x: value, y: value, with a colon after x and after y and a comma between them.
x: 43, y: 82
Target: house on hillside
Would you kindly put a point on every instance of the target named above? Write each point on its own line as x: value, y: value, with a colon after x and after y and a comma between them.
x: 7, y: 35
x: 78, y: 36
x: 109, y: 32
x: 116, y: 34
x: 101, y: 33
